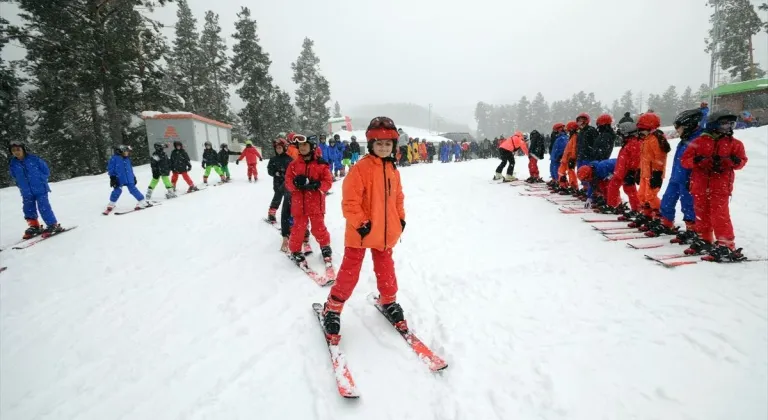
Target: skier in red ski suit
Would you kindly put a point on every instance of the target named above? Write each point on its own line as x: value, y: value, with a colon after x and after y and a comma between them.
x: 627, y: 172
x: 250, y: 154
x: 308, y: 179
x: 712, y: 158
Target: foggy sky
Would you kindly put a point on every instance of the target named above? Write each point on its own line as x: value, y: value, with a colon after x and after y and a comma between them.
x: 427, y: 51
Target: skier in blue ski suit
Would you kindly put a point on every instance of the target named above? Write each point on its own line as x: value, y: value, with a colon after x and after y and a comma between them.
x: 335, y: 153
x: 689, y: 125
x: 457, y: 151
x: 444, y: 152
x: 556, y: 154
x: 601, y: 171
x: 120, y: 171
x: 31, y: 175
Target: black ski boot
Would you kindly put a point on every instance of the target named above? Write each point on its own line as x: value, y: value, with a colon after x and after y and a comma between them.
x: 640, y: 220
x: 722, y: 253
x: 331, y: 321
x: 658, y: 228
x: 699, y: 246
x: 685, y: 237
x: 52, y: 230
x: 394, y: 313
x: 298, y: 257
x: 32, y: 231
x: 326, y: 252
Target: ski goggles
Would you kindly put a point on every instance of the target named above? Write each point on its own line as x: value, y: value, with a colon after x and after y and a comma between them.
x: 381, y: 128
x: 298, y: 138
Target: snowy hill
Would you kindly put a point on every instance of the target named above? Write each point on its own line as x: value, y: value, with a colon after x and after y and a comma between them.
x: 189, y: 311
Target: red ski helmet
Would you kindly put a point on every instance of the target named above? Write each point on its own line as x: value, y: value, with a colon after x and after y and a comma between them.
x: 585, y: 116
x: 584, y: 173
x: 604, y: 119
x: 571, y: 126
x: 648, y: 121
x: 558, y: 126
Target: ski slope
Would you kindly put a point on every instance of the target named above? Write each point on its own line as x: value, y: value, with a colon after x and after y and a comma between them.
x: 188, y: 311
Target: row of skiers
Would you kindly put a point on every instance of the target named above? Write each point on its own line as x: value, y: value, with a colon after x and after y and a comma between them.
x: 31, y: 174
x: 170, y: 168
x: 702, y: 177
x: 372, y: 204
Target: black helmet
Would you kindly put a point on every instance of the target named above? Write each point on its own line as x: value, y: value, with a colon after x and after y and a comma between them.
x: 353, y: 138
x: 123, y: 148
x: 689, y: 118
x: 223, y: 146
x: 207, y: 144
x: 715, y: 120
x: 160, y: 146
x: 177, y: 143
x: 17, y: 143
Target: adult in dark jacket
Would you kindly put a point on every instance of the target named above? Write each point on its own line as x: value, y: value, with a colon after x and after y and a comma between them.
x: 535, y: 154
x: 161, y: 169
x: 181, y: 165
x: 585, y: 142
x: 31, y: 175
x: 626, y: 118
x: 211, y: 161
x: 606, y: 138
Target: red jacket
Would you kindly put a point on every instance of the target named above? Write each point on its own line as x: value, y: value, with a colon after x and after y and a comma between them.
x: 629, y: 159
x: 705, y: 174
x: 308, y: 202
x: 251, y: 155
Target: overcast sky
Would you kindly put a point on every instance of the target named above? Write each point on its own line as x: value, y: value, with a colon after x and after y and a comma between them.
x: 453, y: 54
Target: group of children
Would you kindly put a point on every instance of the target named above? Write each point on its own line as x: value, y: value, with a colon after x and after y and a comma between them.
x: 372, y: 204
x: 702, y: 176
x: 31, y: 174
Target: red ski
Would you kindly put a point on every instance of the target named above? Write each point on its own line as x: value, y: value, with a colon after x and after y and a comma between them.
x: 312, y: 274
x: 36, y: 240
x: 624, y: 237
x: 622, y: 228
x: 344, y: 381
x: 574, y: 210
x: 426, y: 355
x: 645, y: 246
x: 599, y: 220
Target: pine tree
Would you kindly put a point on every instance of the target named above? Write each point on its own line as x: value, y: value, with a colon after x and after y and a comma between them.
x: 540, y: 118
x: 523, y: 114
x: 687, y: 100
x: 13, y: 105
x: 285, y: 115
x: 669, y: 104
x: 250, y: 72
x: 738, y: 22
x: 626, y: 103
x: 336, y: 110
x: 483, y: 119
x: 214, y: 94
x: 616, y: 111
x: 313, y: 92
x: 702, y: 94
x: 186, y: 62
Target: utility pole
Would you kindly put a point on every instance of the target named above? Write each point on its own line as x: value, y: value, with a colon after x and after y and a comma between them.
x: 429, y: 123
x: 714, y: 58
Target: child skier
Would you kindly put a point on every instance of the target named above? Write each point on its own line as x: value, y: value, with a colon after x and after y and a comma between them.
x: 688, y: 126
x: 507, y: 149
x: 653, y: 163
x: 372, y: 204
x: 569, y: 183
x: 536, y: 154
x: 596, y: 176
x: 346, y: 158
x: 308, y: 179
x: 276, y: 169
x: 712, y: 158
x: 161, y: 168
x: 120, y: 170
x: 250, y: 154
x: 626, y: 173
x: 354, y: 147
x: 31, y: 175
x: 556, y: 153
x: 211, y: 161
x: 334, y: 155
x: 223, y: 157
x: 181, y: 165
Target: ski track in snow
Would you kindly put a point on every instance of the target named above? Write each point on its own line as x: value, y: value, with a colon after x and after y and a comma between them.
x: 189, y: 311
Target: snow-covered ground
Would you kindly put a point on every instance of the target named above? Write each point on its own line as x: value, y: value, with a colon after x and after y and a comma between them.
x: 188, y: 311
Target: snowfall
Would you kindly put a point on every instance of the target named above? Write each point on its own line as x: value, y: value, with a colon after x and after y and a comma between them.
x: 189, y: 311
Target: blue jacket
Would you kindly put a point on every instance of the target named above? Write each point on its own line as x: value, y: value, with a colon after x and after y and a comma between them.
x: 122, y: 168
x: 557, y: 153
x: 334, y: 153
x: 601, y: 170
x: 31, y: 175
x: 324, y: 148
x: 457, y: 149
x: 679, y: 174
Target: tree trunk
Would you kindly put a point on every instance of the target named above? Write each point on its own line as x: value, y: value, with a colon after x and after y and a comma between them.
x: 108, y: 93
x: 101, y: 150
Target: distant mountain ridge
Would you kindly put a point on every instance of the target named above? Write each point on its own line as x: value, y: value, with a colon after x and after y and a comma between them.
x: 403, y: 114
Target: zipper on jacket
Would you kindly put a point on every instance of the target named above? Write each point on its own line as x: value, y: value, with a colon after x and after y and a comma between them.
x: 384, y: 172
